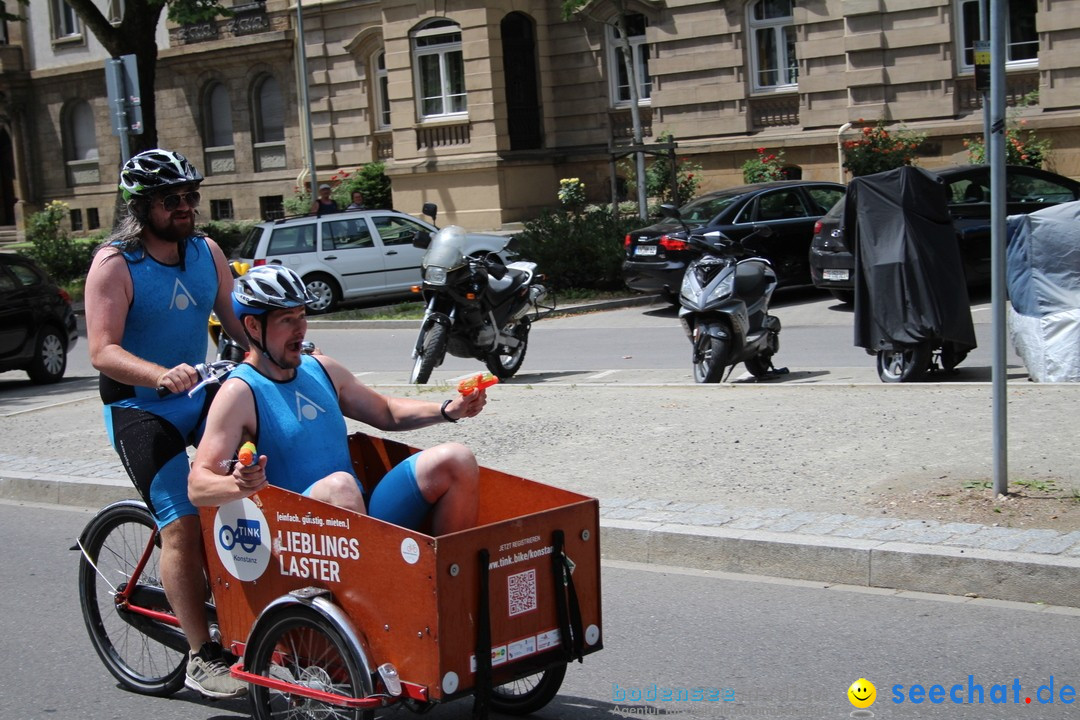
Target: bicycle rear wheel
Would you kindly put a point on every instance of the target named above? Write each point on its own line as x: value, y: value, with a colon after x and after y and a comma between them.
x: 114, y: 541
x: 528, y: 694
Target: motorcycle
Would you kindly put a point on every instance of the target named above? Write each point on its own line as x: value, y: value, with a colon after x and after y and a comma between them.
x: 724, y: 302
x: 476, y: 305
x: 226, y: 348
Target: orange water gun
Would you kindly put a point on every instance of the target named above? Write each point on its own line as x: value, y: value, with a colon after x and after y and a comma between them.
x: 478, y: 382
x: 248, y: 455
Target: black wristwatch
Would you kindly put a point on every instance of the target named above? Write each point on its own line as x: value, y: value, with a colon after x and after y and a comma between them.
x: 446, y: 414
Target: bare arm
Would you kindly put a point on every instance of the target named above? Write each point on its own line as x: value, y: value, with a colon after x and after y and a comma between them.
x: 230, y: 422
x: 108, y: 296
x: 361, y: 403
x: 223, y: 301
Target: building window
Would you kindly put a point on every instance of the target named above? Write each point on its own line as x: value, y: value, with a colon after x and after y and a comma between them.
x: 221, y: 210
x: 382, y: 92
x: 80, y: 144
x: 75, y: 216
x: 1021, y: 39
x: 92, y: 220
x: 269, y: 132
x: 114, y: 13
x: 439, y: 68
x: 639, y: 52
x: 272, y: 207
x: 65, y: 21
x: 772, y: 45
x: 218, y: 130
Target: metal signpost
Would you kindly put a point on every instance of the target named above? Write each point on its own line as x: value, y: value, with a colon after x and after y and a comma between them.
x: 125, y: 104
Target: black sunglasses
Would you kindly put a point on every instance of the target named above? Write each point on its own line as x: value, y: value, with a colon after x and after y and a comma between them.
x: 171, y: 202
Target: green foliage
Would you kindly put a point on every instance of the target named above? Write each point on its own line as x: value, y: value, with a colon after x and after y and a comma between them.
x: 878, y: 150
x: 577, y: 249
x: 62, y: 256
x: 188, y: 12
x: 658, y: 177
x: 1022, y: 147
x: 572, y: 193
x: 13, y: 17
x: 765, y: 167
x: 228, y: 234
x: 369, y: 179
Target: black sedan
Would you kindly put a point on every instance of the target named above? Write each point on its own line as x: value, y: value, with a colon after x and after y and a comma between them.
x: 37, y: 324
x: 656, y: 256
x: 832, y: 264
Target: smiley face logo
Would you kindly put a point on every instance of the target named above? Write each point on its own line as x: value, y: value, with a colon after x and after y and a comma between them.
x: 862, y: 693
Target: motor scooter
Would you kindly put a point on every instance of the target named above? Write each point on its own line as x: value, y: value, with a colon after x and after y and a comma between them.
x: 724, y: 302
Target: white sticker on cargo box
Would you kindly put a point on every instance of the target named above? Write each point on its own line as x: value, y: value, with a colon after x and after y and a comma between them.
x: 547, y: 640
x: 410, y: 551
x: 521, y: 648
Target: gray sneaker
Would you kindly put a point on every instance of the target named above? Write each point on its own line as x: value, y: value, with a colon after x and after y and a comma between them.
x: 207, y: 673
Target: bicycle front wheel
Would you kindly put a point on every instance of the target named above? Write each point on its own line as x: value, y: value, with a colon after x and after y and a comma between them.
x: 112, y: 543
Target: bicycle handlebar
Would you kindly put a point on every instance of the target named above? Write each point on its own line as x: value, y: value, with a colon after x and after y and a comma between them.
x: 209, y: 373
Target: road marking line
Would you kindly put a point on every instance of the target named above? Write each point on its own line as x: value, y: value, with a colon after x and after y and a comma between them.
x: 601, y: 375
x: 46, y: 407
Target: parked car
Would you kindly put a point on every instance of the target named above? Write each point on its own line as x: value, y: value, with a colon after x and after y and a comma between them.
x: 359, y: 254
x: 832, y: 263
x: 37, y: 324
x: 657, y: 256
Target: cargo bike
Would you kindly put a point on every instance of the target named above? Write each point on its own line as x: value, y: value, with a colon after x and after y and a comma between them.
x: 333, y: 614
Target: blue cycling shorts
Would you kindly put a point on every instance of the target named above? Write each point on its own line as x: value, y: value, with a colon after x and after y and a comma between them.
x: 397, y: 498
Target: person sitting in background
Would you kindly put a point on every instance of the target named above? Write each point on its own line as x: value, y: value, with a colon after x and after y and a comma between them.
x: 293, y: 407
x: 357, y: 201
x: 324, y: 204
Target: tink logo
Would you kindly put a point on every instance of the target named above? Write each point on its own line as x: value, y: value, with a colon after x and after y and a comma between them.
x: 306, y: 408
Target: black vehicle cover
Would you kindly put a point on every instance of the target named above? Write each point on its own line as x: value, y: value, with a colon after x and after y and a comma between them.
x: 909, y: 278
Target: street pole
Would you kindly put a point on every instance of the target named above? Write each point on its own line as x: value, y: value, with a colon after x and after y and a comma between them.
x: 995, y: 144
x: 305, y: 107
x: 840, y: 152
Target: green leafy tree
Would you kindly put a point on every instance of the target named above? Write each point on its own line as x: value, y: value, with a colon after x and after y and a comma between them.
x: 577, y: 249
x: 136, y: 35
x: 371, y: 180
x: 63, y: 257
x: 878, y: 149
x: 658, y: 178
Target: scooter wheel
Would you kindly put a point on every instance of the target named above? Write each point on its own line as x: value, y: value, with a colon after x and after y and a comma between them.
x: 906, y: 364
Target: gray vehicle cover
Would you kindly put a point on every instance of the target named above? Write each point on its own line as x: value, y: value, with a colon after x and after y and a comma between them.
x: 1043, y: 269
x: 909, y: 278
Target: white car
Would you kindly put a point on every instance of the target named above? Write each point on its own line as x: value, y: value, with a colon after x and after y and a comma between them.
x: 346, y: 255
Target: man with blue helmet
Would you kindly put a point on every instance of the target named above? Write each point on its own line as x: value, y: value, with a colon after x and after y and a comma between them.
x: 149, y: 293
x: 293, y: 407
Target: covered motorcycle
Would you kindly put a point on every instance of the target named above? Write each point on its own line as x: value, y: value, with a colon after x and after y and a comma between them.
x: 476, y: 306
x: 911, y: 301
x: 1043, y: 255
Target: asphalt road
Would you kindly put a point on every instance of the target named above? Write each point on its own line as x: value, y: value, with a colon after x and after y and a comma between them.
x: 778, y: 649
x: 637, y: 345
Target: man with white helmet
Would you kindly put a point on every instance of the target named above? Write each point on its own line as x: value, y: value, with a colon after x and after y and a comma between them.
x: 306, y: 451
x: 149, y: 293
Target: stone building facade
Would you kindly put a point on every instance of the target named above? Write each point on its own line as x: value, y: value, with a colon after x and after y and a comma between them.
x: 482, y: 106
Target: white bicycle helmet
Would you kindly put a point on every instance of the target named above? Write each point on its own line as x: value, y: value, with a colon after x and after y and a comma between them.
x: 268, y: 287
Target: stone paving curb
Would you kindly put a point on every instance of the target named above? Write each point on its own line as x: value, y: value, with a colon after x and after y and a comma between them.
x: 1041, y: 566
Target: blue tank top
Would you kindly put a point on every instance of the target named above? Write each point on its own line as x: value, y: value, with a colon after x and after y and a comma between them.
x: 166, y: 322
x: 300, y: 430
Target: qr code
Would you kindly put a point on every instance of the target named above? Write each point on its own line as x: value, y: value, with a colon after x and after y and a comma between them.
x: 521, y: 591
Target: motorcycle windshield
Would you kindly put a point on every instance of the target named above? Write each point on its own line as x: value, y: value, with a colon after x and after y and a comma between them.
x: 447, y: 249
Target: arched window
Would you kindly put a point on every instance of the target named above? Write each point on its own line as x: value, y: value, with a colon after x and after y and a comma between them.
x: 439, y: 70
x: 218, y: 130
x: 81, y: 148
x: 772, y: 45
x: 381, y: 82
x: 268, y: 110
x: 618, y: 78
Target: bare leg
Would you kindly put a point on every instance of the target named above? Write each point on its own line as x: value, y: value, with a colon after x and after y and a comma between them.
x: 339, y: 489
x: 448, y: 476
x: 183, y: 578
